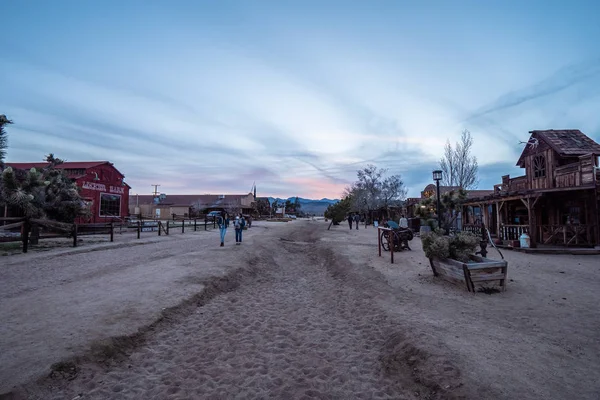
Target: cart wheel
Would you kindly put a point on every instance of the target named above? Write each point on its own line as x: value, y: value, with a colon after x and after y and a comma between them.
x: 385, y: 241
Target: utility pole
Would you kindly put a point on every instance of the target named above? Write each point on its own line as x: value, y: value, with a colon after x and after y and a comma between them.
x: 155, y: 189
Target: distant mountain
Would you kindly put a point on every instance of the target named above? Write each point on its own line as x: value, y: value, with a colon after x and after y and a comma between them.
x: 310, y: 206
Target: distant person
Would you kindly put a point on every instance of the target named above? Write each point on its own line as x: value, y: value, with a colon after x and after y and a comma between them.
x: 239, y: 224
x: 403, y: 222
x: 356, y: 220
x: 350, y: 220
x: 223, y: 222
x: 249, y: 221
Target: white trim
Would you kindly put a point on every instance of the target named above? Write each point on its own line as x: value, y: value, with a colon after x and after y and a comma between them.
x: 100, y: 205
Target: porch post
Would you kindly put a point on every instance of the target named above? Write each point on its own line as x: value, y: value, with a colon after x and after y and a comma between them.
x: 532, y: 221
x: 499, y: 205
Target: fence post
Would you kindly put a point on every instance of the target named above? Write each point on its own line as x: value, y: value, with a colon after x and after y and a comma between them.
x: 112, y: 231
x: 195, y: 224
x: 159, y: 226
x: 214, y: 223
x: 74, y: 235
x: 25, y: 236
x: 139, y: 229
x: 167, y: 231
x: 205, y: 223
x: 183, y: 225
x: 393, y: 237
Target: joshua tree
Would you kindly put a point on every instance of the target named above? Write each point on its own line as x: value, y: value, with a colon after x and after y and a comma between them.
x: 3, y: 138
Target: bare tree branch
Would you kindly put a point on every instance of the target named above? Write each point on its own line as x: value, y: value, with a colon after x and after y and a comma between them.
x: 458, y: 166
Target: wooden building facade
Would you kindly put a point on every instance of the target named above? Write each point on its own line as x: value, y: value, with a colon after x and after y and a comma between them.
x: 101, y: 186
x: 556, y: 202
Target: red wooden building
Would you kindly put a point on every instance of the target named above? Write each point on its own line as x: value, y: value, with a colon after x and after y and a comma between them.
x: 101, y: 185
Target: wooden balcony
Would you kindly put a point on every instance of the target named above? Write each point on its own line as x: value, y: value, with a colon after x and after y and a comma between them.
x: 509, y: 185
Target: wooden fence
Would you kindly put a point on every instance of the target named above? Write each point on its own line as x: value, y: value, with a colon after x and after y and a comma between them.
x: 29, y: 232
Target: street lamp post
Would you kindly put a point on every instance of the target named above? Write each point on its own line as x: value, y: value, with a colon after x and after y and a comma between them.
x: 437, y: 177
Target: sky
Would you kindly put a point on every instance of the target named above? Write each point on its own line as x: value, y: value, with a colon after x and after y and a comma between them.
x: 212, y: 96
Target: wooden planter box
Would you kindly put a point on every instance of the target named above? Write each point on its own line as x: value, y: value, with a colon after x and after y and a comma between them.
x: 479, y: 271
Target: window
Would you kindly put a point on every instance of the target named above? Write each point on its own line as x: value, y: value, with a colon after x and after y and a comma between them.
x: 539, y: 166
x: 75, y: 172
x: 110, y: 205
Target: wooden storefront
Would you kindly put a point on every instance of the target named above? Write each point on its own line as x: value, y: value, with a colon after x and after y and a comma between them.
x: 556, y: 202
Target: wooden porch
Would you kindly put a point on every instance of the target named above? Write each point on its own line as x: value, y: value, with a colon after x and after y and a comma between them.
x: 550, y: 218
x: 558, y: 235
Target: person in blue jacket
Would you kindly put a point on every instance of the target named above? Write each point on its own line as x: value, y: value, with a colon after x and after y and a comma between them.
x: 223, y: 222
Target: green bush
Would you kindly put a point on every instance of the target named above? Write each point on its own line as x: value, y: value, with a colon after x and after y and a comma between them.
x: 457, y: 247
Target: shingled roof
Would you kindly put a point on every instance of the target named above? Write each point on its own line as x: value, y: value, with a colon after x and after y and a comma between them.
x: 565, y: 142
x: 569, y: 142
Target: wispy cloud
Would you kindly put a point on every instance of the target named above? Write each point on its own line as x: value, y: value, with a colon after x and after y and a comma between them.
x: 564, y: 78
x: 212, y: 97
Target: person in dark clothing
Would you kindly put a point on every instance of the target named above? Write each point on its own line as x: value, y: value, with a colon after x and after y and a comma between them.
x: 356, y: 220
x: 239, y: 225
x: 350, y: 219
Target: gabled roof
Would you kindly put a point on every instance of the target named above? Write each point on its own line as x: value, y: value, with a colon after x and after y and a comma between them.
x: 565, y: 142
x: 65, y: 165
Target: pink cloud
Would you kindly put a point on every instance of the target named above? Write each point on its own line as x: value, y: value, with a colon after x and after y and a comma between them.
x: 316, y: 188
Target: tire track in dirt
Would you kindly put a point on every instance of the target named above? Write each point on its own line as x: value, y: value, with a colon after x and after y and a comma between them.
x: 298, y: 321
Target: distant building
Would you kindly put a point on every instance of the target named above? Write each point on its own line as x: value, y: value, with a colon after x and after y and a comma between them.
x: 430, y: 192
x: 187, y: 205
x: 102, y: 186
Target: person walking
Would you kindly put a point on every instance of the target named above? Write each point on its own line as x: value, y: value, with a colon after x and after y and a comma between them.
x: 239, y: 224
x: 223, y: 222
x: 356, y: 220
x: 350, y: 219
x: 249, y: 221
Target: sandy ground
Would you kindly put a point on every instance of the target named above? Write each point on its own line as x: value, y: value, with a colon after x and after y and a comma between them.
x: 315, y: 315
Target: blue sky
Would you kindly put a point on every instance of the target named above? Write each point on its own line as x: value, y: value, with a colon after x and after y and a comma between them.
x: 209, y: 96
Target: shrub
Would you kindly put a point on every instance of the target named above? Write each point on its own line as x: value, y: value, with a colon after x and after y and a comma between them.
x: 457, y: 247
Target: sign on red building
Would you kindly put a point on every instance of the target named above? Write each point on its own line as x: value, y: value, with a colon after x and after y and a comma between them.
x: 101, y: 185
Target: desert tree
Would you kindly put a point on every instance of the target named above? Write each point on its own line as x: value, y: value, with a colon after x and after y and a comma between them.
x: 459, y: 167
x: 450, y: 203
x: 374, y: 190
x: 3, y: 138
x: 43, y: 194
x: 393, y: 191
x: 262, y: 206
x: 337, y: 212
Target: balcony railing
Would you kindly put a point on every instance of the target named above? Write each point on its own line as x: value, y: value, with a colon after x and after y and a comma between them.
x: 511, y: 185
x: 473, y: 228
x: 567, y: 235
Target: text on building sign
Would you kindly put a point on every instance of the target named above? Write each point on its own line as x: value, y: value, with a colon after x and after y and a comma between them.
x: 102, y: 187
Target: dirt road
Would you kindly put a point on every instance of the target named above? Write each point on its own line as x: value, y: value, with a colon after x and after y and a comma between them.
x: 301, y: 323
x: 296, y: 312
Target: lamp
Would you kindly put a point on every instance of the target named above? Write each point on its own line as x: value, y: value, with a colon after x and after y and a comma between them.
x: 437, y: 177
x: 96, y: 176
